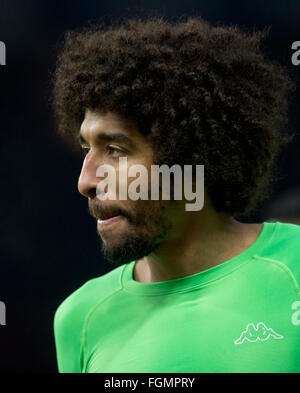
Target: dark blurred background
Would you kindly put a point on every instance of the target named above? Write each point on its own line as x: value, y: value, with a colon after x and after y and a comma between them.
x: 49, y: 245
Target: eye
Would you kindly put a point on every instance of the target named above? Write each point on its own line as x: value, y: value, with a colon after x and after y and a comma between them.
x: 114, y: 151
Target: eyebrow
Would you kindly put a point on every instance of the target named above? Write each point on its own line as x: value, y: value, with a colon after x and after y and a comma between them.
x: 115, y: 137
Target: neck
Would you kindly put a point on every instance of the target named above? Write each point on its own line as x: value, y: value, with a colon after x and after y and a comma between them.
x: 202, y: 240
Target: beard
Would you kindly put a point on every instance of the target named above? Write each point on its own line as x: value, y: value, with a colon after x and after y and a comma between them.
x: 147, y: 228
x: 131, y: 247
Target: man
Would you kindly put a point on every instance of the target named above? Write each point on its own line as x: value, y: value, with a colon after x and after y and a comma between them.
x: 191, y: 291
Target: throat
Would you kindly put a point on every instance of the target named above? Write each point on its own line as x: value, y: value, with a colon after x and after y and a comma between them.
x: 183, y: 260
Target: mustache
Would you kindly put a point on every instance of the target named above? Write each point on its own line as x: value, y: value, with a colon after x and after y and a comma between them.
x: 98, y: 210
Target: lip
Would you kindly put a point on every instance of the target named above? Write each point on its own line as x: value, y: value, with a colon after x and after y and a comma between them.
x: 108, y: 221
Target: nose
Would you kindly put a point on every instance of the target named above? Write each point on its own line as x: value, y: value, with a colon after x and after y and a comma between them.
x: 87, y: 182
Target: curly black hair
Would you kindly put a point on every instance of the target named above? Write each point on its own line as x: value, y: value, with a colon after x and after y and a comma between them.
x: 201, y: 94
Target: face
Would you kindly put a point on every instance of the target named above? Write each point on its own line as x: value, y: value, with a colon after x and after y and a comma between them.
x: 129, y: 229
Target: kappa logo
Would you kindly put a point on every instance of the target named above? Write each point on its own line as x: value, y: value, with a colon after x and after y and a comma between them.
x: 260, y: 332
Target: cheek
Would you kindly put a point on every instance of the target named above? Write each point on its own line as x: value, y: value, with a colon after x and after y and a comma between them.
x: 133, y: 181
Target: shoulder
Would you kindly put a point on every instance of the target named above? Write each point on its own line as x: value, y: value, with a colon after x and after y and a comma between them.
x: 283, y: 249
x: 287, y: 230
x: 285, y: 241
x: 92, y: 292
x: 70, y: 316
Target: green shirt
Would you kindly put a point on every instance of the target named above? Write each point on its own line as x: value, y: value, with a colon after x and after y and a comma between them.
x: 242, y: 315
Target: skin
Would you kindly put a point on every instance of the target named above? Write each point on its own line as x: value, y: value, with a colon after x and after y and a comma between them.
x: 180, y: 242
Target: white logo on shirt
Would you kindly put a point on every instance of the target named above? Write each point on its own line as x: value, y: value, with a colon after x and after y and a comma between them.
x: 260, y: 332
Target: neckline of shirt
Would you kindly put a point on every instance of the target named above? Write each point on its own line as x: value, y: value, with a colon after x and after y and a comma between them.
x: 197, y: 280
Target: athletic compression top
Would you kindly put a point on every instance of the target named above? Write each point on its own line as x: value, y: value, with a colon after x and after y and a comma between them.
x: 242, y: 315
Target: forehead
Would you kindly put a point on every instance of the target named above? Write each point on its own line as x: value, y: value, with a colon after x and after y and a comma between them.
x: 96, y: 122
